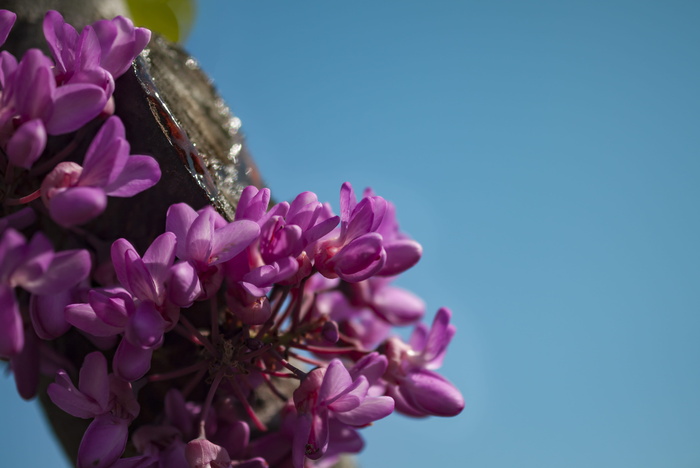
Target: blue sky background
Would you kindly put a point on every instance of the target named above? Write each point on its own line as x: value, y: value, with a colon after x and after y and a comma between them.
x: 547, y: 156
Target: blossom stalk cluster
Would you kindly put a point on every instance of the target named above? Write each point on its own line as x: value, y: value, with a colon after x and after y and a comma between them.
x: 286, y: 298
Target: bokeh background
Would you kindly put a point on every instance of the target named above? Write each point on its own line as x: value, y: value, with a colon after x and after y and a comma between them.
x: 547, y: 156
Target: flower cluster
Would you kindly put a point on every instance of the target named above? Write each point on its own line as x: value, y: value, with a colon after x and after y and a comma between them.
x: 288, y: 299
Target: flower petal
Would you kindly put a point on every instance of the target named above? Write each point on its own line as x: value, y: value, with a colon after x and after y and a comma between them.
x: 71, y: 400
x: 232, y: 239
x: 77, y: 205
x: 131, y: 362
x: 360, y: 259
x: 11, y: 331
x: 139, y: 173
x: 159, y: 256
x: 400, y: 256
x: 178, y: 220
x: 371, y: 409
x: 74, y: 105
x: 145, y: 327
x: 84, y: 318
x: 93, y: 381
x: 7, y: 20
x: 27, y: 144
x: 103, y: 443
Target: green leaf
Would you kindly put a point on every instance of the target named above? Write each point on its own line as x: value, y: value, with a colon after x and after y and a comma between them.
x: 170, y: 18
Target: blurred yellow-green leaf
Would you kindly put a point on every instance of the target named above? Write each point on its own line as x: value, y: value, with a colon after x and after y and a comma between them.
x: 170, y: 18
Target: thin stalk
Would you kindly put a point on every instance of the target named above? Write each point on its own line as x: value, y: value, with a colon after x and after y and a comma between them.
x: 202, y: 340
x: 24, y: 200
x: 207, y: 403
x: 178, y: 373
x: 298, y: 372
x: 246, y: 405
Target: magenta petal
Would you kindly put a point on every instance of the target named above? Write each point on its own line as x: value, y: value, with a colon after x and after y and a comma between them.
x: 432, y: 394
x: 439, y: 337
x: 103, y: 443
x: 398, y: 306
x: 84, y: 318
x: 371, y: 409
x: 11, y: 244
x: 74, y: 106
x: 131, y: 362
x: 202, y: 453
x: 360, y: 259
x: 199, y: 238
x: 139, y: 173
x: 87, y: 50
x: 27, y: 144
x: 361, y: 221
x: 372, y: 366
x: 253, y: 203
x: 123, y: 394
x: 336, y: 379
x: 400, y: 256
x: 34, y: 86
x: 120, y: 42
x: 140, y: 282
x: 302, y: 431
x: 159, y: 256
x: 348, y: 201
x: 37, y: 257
x: 71, y: 400
x: 145, y: 327
x: 25, y: 366
x: 93, y: 381
x: 183, y: 286
x: 232, y: 239
x: 106, y: 150
x: 112, y: 306
x: 77, y: 205
x: 67, y: 268
x: 102, y: 165
x: 11, y: 332
x: 7, y: 20
x: 319, y: 230
x: 59, y: 35
x: 47, y: 314
x: 118, y: 253
x: 178, y: 220
x: 8, y: 65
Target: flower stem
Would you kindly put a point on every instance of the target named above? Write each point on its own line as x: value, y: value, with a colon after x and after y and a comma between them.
x: 24, y: 200
x: 178, y: 373
x: 207, y: 403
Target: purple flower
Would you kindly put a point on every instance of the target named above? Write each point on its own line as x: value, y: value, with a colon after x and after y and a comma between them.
x: 247, y: 298
x: 401, y: 251
x: 357, y: 322
x: 357, y: 252
x: 253, y: 204
x: 7, y: 20
x: 30, y: 92
x: 27, y: 143
x: 120, y: 43
x: 200, y: 453
x: 36, y: 268
x: 75, y: 194
x: 417, y: 390
x: 107, y: 399
x: 332, y: 392
x: 206, y: 239
x: 294, y: 227
x: 18, y: 220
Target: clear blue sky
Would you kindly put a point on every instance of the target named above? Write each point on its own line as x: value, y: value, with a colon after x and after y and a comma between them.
x: 547, y: 155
